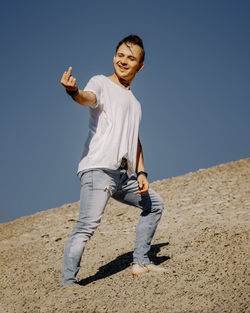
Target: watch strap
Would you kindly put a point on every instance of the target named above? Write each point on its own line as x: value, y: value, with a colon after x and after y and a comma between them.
x: 142, y: 173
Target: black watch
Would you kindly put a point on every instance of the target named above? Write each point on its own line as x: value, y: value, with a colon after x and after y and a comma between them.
x: 73, y: 93
x: 143, y: 173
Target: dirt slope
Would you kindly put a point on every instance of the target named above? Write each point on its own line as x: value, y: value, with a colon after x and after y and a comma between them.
x: 201, y: 241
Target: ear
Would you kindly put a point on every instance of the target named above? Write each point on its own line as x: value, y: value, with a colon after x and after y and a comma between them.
x: 141, y: 65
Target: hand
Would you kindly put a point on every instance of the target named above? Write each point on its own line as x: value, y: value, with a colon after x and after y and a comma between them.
x: 143, y: 184
x: 68, y: 81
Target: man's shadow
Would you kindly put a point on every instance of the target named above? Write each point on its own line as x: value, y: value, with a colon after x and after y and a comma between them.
x: 122, y: 262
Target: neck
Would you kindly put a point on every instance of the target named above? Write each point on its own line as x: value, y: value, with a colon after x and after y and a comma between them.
x: 121, y: 81
x: 124, y: 82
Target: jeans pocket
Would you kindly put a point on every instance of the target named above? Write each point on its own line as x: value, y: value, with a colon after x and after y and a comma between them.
x: 102, y: 181
x: 86, y: 178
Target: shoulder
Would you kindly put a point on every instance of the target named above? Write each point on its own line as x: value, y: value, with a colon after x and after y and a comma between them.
x: 98, y: 78
x: 135, y: 98
x: 95, y: 82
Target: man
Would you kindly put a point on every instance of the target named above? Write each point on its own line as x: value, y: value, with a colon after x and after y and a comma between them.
x: 112, y: 161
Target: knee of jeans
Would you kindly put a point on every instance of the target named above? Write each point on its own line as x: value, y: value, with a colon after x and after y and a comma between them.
x: 86, y: 228
x: 160, y: 204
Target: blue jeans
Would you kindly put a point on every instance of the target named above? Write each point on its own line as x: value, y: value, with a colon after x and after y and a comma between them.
x: 98, y: 185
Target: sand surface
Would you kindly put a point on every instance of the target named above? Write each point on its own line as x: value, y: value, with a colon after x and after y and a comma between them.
x: 202, y: 241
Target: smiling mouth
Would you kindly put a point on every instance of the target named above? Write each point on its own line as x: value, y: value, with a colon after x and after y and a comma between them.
x: 122, y: 68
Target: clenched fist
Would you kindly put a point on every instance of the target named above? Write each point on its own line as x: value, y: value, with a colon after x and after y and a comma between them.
x: 68, y: 81
x: 142, y: 184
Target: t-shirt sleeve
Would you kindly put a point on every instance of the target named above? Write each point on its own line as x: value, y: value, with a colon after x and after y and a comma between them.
x: 94, y: 85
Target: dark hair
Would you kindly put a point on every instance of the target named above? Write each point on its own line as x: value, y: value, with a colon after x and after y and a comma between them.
x: 136, y: 40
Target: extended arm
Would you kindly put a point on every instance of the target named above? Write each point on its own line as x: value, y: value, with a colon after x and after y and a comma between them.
x: 83, y: 97
x: 142, y: 179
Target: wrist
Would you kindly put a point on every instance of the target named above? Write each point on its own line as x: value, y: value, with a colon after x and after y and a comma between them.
x: 73, y: 93
x: 142, y: 173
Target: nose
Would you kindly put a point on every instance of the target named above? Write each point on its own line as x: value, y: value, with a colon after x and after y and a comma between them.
x: 123, y: 60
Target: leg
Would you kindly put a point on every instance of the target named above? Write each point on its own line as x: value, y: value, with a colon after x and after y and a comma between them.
x: 152, y: 206
x: 93, y: 199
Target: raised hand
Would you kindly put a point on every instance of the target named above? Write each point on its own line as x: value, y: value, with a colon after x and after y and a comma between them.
x: 68, y: 81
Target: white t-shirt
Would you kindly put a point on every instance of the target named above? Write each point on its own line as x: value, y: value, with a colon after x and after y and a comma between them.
x: 113, y: 126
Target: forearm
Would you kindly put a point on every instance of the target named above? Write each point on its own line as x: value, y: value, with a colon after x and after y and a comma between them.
x: 85, y: 98
x: 139, y: 158
x: 142, y: 178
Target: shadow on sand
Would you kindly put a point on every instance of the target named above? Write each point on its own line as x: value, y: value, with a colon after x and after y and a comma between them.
x: 122, y: 262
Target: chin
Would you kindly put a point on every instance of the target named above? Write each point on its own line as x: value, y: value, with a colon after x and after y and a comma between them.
x: 121, y: 74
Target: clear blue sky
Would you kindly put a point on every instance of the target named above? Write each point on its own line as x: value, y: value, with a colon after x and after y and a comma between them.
x: 194, y: 89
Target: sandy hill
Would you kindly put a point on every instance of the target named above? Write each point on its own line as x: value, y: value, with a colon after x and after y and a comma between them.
x: 201, y: 241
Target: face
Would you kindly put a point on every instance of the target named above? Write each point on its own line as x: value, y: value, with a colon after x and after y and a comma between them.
x: 127, y: 61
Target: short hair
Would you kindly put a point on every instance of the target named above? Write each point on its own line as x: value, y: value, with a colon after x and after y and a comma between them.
x: 136, y: 40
